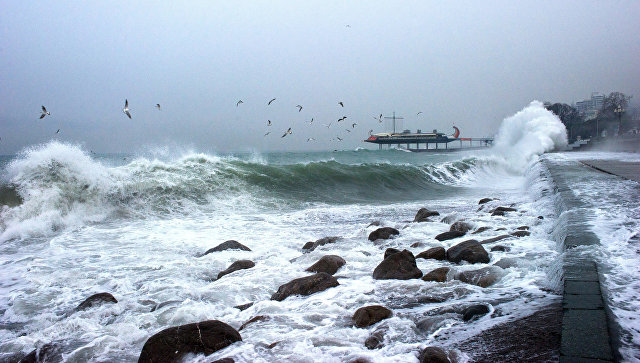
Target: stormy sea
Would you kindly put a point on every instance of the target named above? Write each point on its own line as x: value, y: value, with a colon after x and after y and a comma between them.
x: 142, y: 227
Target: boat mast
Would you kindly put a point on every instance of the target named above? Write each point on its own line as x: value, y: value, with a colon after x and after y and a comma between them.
x: 394, y: 118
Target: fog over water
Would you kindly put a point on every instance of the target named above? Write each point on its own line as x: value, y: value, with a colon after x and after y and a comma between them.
x: 468, y: 64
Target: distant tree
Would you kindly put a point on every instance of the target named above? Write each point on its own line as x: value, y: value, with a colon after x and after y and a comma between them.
x: 613, y: 100
x: 569, y: 116
x: 607, y: 116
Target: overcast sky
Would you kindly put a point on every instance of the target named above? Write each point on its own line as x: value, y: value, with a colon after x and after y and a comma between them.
x: 468, y: 64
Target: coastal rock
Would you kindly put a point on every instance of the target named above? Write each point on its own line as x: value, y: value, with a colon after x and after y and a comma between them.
x: 449, y: 235
x: 481, y: 229
x: 227, y: 245
x: 244, y: 306
x: 237, y: 265
x: 383, y: 233
x: 253, y: 320
x: 310, y: 246
x: 523, y: 228
x: 470, y: 251
x: 521, y: 233
x: 375, y: 223
x: 370, y: 315
x: 46, y: 353
x: 437, y: 275
x: 376, y: 339
x: 390, y: 251
x: 398, y: 266
x: 461, y: 226
x: 448, y: 219
x: 483, y: 277
x: 473, y: 311
x: 435, y: 253
x: 485, y: 200
x: 96, y: 299
x: 499, y: 248
x: 494, y: 239
x: 329, y: 264
x: 417, y: 244
x: 433, y: 355
x: 501, y: 211
x: 224, y: 360
x: 424, y: 214
x: 172, y: 344
x: 507, y: 262
x: 305, y: 286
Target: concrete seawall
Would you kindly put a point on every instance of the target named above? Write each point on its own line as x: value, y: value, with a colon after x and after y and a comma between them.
x: 586, y: 326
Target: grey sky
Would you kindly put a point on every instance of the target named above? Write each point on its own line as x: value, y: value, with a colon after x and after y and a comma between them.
x: 468, y: 63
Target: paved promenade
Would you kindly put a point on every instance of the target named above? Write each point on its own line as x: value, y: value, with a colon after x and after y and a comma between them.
x: 627, y: 170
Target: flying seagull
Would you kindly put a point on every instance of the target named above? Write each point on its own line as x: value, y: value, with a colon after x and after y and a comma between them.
x: 288, y: 132
x: 267, y: 133
x: 342, y: 118
x: 370, y: 132
x: 239, y: 102
x: 44, y: 112
x: 57, y: 132
x: 341, y: 104
x: 353, y: 125
x: 347, y: 130
x: 418, y: 113
x: 311, y: 122
x: 338, y: 137
x: 311, y: 139
x: 329, y: 125
x: 158, y: 107
x: 268, y: 122
x: 126, y: 108
x: 268, y: 103
x: 299, y: 108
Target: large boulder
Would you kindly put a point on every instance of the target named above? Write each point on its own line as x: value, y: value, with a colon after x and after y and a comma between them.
x: 390, y: 251
x: 310, y: 246
x: 437, y: 275
x: 433, y: 355
x: 305, y: 286
x: 383, y: 233
x: 97, y: 299
x: 47, y: 353
x: 435, y: 253
x: 399, y: 266
x: 449, y: 235
x: 521, y: 233
x: 238, y: 265
x: 424, y: 214
x: 485, y: 200
x: 227, y: 245
x: 507, y: 262
x: 329, y: 264
x: 481, y: 229
x: 376, y: 339
x: 470, y: 251
x: 370, y: 315
x: 172, y: 344
x: 501, y: 211
x: 473, y: 311
x: 461, y: 226
x: 494, y: 239
x: 483, y: 277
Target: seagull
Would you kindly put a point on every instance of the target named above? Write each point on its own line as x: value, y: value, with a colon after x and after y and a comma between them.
x: 267, y: 133
x: 418, y: 113
x: 287, y: 132
x: 348, y: 130
x: 311, y: 139
x: 44, y: 112
x: 268, y: 103
x: 158, y: 107
x: 311, y: 122
x: 342, y: 118
x: 57, y: 132
x: 268, y: 122
x: 239, y: 102
x: 329, y: 125
x: 353, y: 125
x: 338, y: 137
x: 370, y: 132
x: 299, y: 108
x: 126, y: 108
x: 341, y: 104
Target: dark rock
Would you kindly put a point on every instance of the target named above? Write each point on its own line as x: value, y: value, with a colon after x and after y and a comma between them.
x: 172, y: 344
x: 473, y: 311
x: 430, y: 324
x: 498, y: 213
x: 370, y: 315
x: 485, y: 200
x: 433, y: 355
x: 437, y: 275
x: 93, y: 300
x: 310, y: 246
x: 521, y: 233
x: 470, y: 251
x: 399, y: 266
x: 505, y: 209
x: 329, y: 264
x: 273, y: 345
x: 501, y: 229
x: 424, y: 214
x: 244, y: 306
x: 523, y: 228
x: 383, y: 233
x: 435, y: 253
x: 483, y: 277
x: 237, y: 265
x: 507, y: 262
x: 461, y: 226
x: 449, y: 235
x: 305, y: 286
x: 500, y: 248
x: 494, y: 239
x: 390, y: 251
x: 164, y: 303
x: 374, y: 223
x: 449, y: 218
x: 417, y: 244
x: 227, y: 245
x: 540, y: 217
x: 224, y: 360
x: 481, y: 229
x: 376, y: 339
x: 44, y: 354
x: 253, y: 320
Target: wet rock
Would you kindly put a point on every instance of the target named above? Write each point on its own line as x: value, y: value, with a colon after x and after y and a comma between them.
x: 448, y: 219
x: 96, y: 299
x: 473, y: 311
x: 483, y: 277
x: 485, y: 200
x: 305, y: 286
x: 244, y: 306
x: 430, y: 324
x: 494, y: 239
x: 435, y: 253
x: 172, y: 344
x: 374, y: 223
x: 523, y: 228
x: 470, y: 251
x: 383, y: 233
x: 424, y: 214
x: 481, y: 229
x: 417, y: 244
x: 521, y: 233
x: 376, y: 339
x: 437, y: 275
x: 224, y: 360
x: 433, y: 355
x: 500, y: 248
x: 390, y: 251
x: 329, y: 264
x: 501, y: 211
x: 46, y: 353
x: 370, y: 315
x: 310, y: 246
x: 498, y: 213
x: 253, y: 320
x: 540, y: 217
x: 227, y: 245
x: 501, y: 229
x: 461, y: 226
x: 399, y: 266
x: 507, y: 262
x: 237, y: 265
x: 444, y: 236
